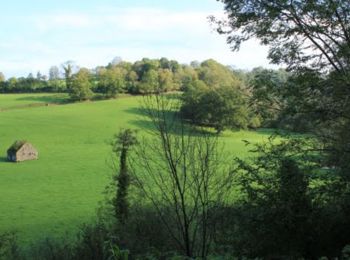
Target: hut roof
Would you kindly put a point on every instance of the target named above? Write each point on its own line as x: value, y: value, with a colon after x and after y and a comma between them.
x: 16, y: 146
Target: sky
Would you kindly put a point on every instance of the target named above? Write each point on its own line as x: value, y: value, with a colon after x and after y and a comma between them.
x: 37, y: 34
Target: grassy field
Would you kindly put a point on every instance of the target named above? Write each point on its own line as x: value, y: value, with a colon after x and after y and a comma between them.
x: 53, y: 195
x: 12, y: 101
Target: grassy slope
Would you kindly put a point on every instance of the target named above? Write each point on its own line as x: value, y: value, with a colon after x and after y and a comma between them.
x: 52, y: 195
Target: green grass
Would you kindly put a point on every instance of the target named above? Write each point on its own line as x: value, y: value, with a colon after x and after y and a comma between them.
x: 61, y: 190
x: 12, y: 101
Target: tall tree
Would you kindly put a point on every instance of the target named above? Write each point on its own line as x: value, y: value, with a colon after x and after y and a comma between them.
x: 275, y: 202
x: 313, y: 39
x: 121, y: 146
x: 267, y: 89
x: 149, y: 82
x: 69, y: 68
x: 222, y: 108
x: 165, y: 80
x: 54, y: 73
x: 2, y: 77
x: 81, y: 85
x: 112, y: 80
x: 176, y: 170
x: 314, y: 34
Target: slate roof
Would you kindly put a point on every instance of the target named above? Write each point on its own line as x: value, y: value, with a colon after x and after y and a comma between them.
x: 16, y: 146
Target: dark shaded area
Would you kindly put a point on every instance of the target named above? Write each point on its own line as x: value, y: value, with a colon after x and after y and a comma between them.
x: 45, y: 99
x: 175, y: 128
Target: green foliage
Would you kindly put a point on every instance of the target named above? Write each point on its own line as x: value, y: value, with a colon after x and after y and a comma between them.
x: 121, y: 146
x: 216, y: 75
x: 220, y: 108
x: 149, y: 82
x: 267, y: 89
x: 117, y: 254
x: 275, y: 218
x: 112, y: 81
x: 291, y: 29
x: 165, y: 80
x: 141, y: 77
x: 81, y: 86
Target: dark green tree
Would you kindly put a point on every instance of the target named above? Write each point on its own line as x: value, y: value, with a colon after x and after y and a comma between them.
x: 267, y: 89
x: 291, y: 28
x: 124, y: 140
x: 220, y: 108
x: 275, y: 206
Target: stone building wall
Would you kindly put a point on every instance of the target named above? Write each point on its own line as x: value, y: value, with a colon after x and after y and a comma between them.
x: 26, y: 152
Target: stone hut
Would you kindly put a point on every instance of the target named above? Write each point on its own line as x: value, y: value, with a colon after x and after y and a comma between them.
x: 21, y: 151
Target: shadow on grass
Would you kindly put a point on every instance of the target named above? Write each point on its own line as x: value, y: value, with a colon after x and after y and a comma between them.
x: 268, y: 131
x: 143, y: 121
x: 59, y: 98
x: 279, y: 132
x: 3, y: 160
x: 175, y: 125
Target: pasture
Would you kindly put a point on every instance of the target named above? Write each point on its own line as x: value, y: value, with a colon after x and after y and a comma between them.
x: 61, y: 190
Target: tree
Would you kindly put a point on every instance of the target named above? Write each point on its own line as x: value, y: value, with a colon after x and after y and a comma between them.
x: 132, y: 82
x: 69, y: 68
x: 276, y: 212
x: 39, y: 76
x: 112, y: 81
x: 268, y: 89
x: 187, y: 76
x: 220, y: 108
x: 30, y: 76
x: 12, y: 84
x: 291, y: 29
x: 54, y: 73
x: 81, y: 86
x: 2, y: 82
x: 215, y: 74
x: 313, y: 39
x: 2, y: 77
x: 149, y: 82
x: 177, y: 171
x: 121, y: 146
x: 165, y: 80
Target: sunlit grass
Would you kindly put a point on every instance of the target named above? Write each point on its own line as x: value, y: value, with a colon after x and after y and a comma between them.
x: 61, y: 190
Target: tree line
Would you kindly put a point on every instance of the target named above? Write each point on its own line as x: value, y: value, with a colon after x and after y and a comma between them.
x: 213, y: 95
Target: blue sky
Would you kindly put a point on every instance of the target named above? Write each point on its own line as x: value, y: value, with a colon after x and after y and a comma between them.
x: 37, y: 34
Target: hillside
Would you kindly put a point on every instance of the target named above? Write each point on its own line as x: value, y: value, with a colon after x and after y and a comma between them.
x: 61, y: 190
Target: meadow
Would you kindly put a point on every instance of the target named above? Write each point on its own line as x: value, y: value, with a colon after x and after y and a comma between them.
x: 55, y: 194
